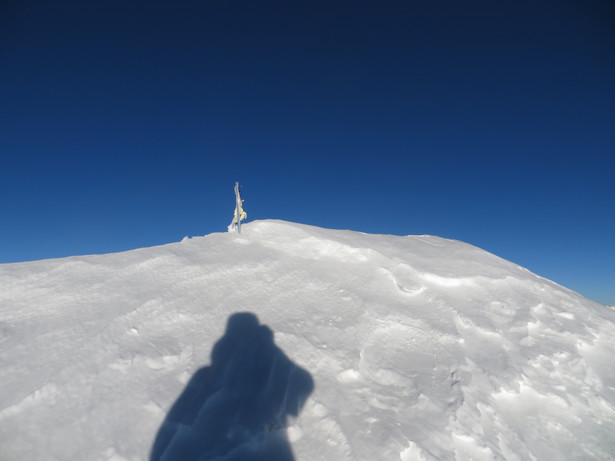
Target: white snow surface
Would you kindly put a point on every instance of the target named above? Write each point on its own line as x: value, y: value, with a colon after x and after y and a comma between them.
x: 384, y: 347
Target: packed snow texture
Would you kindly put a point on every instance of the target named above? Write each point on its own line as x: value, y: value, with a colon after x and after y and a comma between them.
x: 290, y: 342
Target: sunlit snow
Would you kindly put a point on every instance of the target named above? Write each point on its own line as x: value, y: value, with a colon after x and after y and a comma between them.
x: 291, y: 342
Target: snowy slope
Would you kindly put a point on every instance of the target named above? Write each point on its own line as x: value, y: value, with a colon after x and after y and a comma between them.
x: 383, y: 348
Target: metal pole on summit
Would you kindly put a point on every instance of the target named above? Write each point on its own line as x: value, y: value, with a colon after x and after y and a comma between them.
x: 238, y: 207
x: 239, y: 214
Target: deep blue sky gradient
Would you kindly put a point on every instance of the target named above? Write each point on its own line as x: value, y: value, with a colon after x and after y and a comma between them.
x: 126, y: 124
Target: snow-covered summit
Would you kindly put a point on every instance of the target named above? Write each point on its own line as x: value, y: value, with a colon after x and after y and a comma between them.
x: 294, y: 342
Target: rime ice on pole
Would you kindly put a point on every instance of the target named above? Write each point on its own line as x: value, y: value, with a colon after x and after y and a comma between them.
x: 239, y: 214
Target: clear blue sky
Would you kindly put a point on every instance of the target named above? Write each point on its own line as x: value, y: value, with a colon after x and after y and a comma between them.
x: 126, y: 124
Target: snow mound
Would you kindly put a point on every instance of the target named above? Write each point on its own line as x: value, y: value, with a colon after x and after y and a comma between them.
x: 291, y: 342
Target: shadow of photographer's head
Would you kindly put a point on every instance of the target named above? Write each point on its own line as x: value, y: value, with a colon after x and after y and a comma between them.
x: 238, y: 407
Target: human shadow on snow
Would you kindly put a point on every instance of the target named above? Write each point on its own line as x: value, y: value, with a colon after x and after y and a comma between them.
x: 236, y: 408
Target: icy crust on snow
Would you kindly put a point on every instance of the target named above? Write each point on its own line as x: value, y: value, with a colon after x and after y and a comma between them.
x: 416, y: 348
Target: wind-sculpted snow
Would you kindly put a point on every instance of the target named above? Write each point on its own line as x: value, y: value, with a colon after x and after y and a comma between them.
x: 290, y: 342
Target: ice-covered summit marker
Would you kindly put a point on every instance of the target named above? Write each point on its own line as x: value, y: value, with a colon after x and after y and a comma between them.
x: 239, y: 215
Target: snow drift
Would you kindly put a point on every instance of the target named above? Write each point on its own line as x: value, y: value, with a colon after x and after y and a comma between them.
x: 290, y: 342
